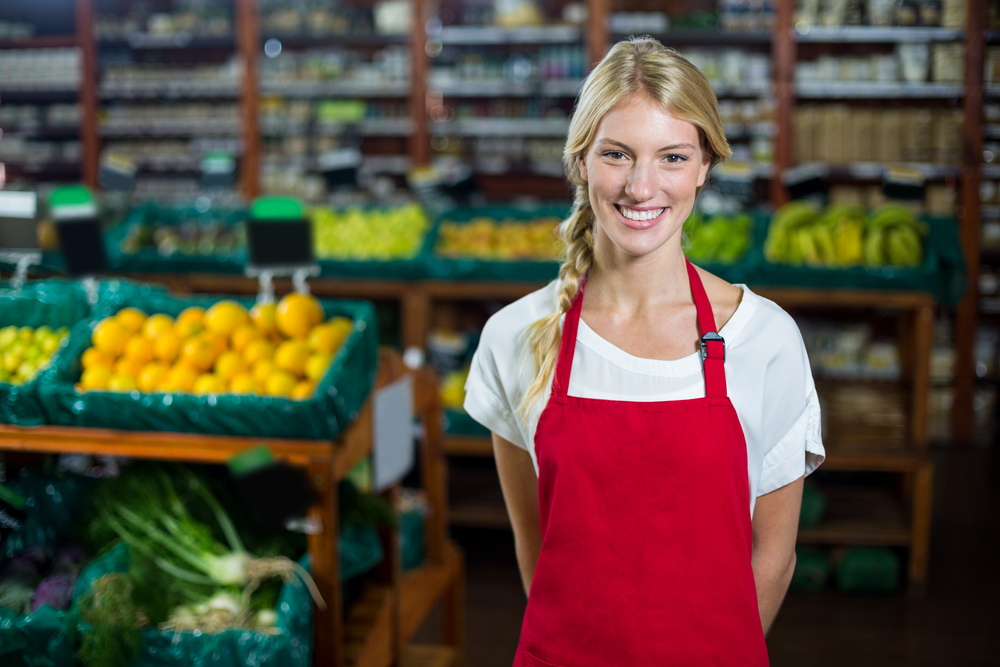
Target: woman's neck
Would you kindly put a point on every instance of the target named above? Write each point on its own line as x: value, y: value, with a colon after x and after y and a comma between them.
x: 631, y: 285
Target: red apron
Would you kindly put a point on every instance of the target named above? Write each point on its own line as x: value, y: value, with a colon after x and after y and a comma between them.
x: 645, y: 521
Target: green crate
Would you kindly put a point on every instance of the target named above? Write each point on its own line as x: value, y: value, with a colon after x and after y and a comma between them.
x: 338, y: 397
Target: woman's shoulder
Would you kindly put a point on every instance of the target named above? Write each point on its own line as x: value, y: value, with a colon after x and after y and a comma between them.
x: 505, y: 328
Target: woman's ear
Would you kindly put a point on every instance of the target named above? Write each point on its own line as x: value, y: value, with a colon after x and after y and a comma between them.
x: 581, y: 164
x: 703, y: 172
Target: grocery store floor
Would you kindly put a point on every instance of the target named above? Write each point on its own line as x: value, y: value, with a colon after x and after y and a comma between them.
x: 956, y: 624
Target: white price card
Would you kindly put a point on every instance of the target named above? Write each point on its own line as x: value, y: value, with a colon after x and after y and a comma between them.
x: 393, y: 433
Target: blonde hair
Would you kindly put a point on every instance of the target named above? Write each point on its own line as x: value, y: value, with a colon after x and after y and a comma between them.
x: 639, y: 65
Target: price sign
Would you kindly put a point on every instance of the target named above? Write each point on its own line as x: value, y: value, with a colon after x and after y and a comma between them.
x: 340, y: 167
x: 901, y: 182
x: 218, y: 171
x: 806, y: 180
x: 17, y: 221
x: 737, y: 180
x: 274, y: 490
x: 279, y: 237
x: 116, y: 172
x: 79, y: 232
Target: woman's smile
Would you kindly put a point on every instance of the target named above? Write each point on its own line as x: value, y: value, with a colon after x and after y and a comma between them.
x: 639, y: 218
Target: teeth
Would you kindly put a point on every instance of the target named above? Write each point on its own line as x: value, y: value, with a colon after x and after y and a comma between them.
x: 639, y: 216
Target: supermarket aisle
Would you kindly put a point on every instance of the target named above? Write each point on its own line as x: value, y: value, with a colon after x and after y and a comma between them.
x: 955, y: 625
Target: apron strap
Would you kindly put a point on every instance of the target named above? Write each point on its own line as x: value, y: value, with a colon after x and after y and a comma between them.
x: 713, y: 347
x: 567, y: 347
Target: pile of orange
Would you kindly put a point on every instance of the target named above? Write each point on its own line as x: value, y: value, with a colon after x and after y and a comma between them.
x: 278, y: 349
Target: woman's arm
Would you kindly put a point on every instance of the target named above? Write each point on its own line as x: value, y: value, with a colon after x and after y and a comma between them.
x: 520, y: 492
x: 775, y: 525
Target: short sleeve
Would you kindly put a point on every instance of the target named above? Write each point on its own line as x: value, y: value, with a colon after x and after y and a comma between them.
x: 792, y: 419
x: 485, y: 398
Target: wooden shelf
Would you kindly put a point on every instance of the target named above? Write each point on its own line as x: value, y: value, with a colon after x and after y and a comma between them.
x: 468, y: 445
x: 869, y: 517
x: 482, y: 515
x: 422, y: 587
x: 428, y: 656
x: 41, y: 42
x: 368, y: 629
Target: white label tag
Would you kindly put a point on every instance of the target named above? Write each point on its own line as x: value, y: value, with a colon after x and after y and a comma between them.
x: 393, y: 431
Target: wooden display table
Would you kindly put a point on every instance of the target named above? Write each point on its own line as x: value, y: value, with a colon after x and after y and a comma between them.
x: 393, y: 605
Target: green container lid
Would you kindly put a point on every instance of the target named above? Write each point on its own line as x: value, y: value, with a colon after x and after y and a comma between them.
x: 72, y: 201
x: 277, y: 208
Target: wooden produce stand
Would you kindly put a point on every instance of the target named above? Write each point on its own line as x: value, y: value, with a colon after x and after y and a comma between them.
x: 377, y: 629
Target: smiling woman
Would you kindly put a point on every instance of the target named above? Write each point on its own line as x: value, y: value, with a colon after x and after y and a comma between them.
x: 652, y: 424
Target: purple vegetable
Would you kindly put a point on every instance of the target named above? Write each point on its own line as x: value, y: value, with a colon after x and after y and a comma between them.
x: 56, y: 591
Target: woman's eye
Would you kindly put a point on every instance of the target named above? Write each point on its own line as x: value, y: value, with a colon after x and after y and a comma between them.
x: 674, y: 158
x: 614, y: 155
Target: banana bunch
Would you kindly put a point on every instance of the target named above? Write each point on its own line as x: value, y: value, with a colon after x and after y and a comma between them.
x: 894, y: 237
x: 841, y: 236
x: 721, y: 239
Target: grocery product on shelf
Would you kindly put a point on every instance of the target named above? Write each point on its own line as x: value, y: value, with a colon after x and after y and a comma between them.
x: 186, y: 237
x: 369, y: 234
x: 24, y: 350
x: 720, y: 239
x: 222, y: 349
x: 843, y: 236
x: 486, y: 238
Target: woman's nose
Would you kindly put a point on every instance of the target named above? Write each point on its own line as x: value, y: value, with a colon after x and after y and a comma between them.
x: 641, y: 185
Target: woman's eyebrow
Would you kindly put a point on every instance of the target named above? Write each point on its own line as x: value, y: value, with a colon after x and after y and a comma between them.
x: 671, y: 147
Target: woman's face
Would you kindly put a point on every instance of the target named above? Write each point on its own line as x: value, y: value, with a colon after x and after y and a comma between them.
x: 642, y: 170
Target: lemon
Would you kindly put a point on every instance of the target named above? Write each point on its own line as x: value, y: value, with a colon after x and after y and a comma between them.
x: 151, y: 376
x: 280, y: 383
x: 110, y: 337
x: 262, y: 369
x: 180, y: 378
x: 224, y: 317
x: 199, y: 353
x: 140, y: 349
x: 192, y: 315
x: 167, y: 346
x: 157, y: 325
x: 209, y: 383
x: 128, y: 367
x: 244, y: 383
x: 264, y: 317
x: 121, y: 383
x: 188, y: 328
x: 316, y: 366
x: 95, y: 377
x: 229, y: 365
x: 297, y: 314
x: 256, y: 350
x: 243, y: 336
x: 292, y: 356
x: 330, y: 336
x: 93, y: 357
x: 303, y: 390
x: 131, y: 318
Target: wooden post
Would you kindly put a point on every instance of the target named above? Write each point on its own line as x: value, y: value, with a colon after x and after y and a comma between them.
x: 597, y: 31
x: 324, y: 551
x: 248, y: 46
x: 90, y: 144
x: 923, y: 339
x: 968, y: 221
x: 783, y: 54
x: 453, y: 612
x: 433, y: 465
x: 415, y: 317
x: 420, y: 146
x: 920, y: 528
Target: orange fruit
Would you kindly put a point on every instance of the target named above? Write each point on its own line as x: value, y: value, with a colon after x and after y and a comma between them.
x: 209, y: 383
x: 193, y: 315
x: 151, y: 377
x: 244, y: 383
x: 199, y: 353
x: 256, y: 350
x: 292, y: 356
x: 316, y: 366
x: 131, y: 318
x: 95, y: 377
x: 140, y: 349
x: 263, y: 316
x: 297, y: 314
x: 157, y: 325
x: 262, y: 370
x: 280, y: 383
x: 180, y: 378
x: 242, y: 336
x: 328, y: 337
x: 110, y: 337
x: 93, y: 357
x: 128, y: 367
x: 121, y: 383
x: 224, y: 317
x: 188, y: 328
x: 167, y: 346
x: 303, y: 390
x: 229, y: 365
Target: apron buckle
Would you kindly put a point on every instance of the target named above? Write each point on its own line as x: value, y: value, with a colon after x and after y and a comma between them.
x: 709, y: 337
